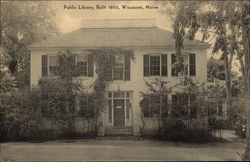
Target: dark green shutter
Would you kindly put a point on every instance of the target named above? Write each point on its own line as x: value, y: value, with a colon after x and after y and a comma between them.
x: 145, y: 65
x: 44, y: 65
x: 90, y: 66
x: 192, y: 66
x: 173, y: 60
x: 127, y: 67
x: 164, y: 65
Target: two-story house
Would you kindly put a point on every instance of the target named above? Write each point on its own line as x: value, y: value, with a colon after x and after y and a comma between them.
x: 153, y: 50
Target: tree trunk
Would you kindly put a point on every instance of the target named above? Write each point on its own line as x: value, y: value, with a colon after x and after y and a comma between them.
x: 227, y: 66
x: 246, y: 46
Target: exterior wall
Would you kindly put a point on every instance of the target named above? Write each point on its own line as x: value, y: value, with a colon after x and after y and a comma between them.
x: 137, y: 82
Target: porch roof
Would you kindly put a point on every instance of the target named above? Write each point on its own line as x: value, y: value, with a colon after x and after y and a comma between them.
x: 115, y: 37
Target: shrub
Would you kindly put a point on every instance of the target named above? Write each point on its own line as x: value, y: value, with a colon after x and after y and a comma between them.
x: 176, y: 130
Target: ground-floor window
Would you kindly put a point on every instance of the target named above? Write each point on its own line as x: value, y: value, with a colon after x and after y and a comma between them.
x: 155, y: 106
x: 184, y: 105
x: 180, y: 105
x: 216, y: 108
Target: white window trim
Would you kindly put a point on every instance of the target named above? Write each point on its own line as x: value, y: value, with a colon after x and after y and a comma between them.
x: 123, y: 75
x: 87, y: 65
x: 150, y: 64
x: 48, y: 67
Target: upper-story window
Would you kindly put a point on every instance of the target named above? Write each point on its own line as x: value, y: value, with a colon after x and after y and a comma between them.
x: 155, y: 65
x: 121, y: 68
x: 84, y: 65
x: 118, y: 69
x: 189, y: 65
x: 53, y: 65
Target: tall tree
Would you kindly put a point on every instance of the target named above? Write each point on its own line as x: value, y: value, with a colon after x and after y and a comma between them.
x: 229, y: 23
x: 23, y: 23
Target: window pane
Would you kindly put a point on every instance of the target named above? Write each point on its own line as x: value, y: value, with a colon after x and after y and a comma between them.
x: 118, y: 94
x: 118, y: 73
x: 82, y: 58
x: 53, y: 60
x: 154, y: 108
x: 82, y: 68
x: 154, y: 65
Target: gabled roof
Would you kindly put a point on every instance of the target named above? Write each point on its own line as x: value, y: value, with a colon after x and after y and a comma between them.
x: 115, y: 37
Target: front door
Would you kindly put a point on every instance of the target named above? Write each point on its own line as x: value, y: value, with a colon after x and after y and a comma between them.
x: 119, y: 112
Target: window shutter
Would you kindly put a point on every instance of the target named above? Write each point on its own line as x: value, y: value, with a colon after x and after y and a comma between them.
x: 145, y: 65
x: 164, y: 65
x: 90, y: 66
x: 75, y: 63
x: 127, y: 67
x: 44, y: 65
x: 192, y: 66
x: 173, y: 60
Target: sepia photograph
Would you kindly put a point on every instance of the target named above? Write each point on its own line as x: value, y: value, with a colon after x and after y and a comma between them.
x: 113, y: 80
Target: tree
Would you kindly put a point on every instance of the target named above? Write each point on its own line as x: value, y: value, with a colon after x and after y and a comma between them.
x: 215, y: 70
x: 23, y: 23
x: 229, y: 23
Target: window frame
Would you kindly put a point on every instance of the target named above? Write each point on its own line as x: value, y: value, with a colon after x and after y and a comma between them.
x: 123, y: 69
x: 188, y: 105
x: 188, y: 65
x: 82, y: 67
x: 149, y: 110
x: 155, y: 55
x: 48, y: 68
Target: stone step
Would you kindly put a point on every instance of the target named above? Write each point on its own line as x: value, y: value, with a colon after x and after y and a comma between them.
x: 119, y: 131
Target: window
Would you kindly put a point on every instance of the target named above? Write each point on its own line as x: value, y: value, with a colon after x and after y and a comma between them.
x: 179, y: 105
x: 188, y: 68
x: 184, y: 105
x: 118, y: 70
x: 155, y: 65
x: 82, y: 65
x: 121, y: 68
x: 53, y: 65
x: 154, y: 106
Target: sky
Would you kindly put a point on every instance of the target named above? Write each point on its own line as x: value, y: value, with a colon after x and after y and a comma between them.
x: 70, y: 19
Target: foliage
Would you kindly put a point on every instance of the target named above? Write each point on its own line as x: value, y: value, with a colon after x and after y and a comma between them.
x: 177, y: 130
x: 215, y: 70
x: 21, y: 113
x: 176, y: 124
x: 7, y: 82
x: 23, y: 23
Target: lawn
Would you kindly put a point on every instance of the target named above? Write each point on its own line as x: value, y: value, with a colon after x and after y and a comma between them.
x: 106, y: 149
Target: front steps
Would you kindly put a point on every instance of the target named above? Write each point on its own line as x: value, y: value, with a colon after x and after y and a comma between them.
x: 119, y: 131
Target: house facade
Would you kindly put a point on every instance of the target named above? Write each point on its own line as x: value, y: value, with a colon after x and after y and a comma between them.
x: 153, y: 50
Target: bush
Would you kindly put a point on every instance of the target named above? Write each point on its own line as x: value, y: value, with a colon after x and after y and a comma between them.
x: 175, y: 130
